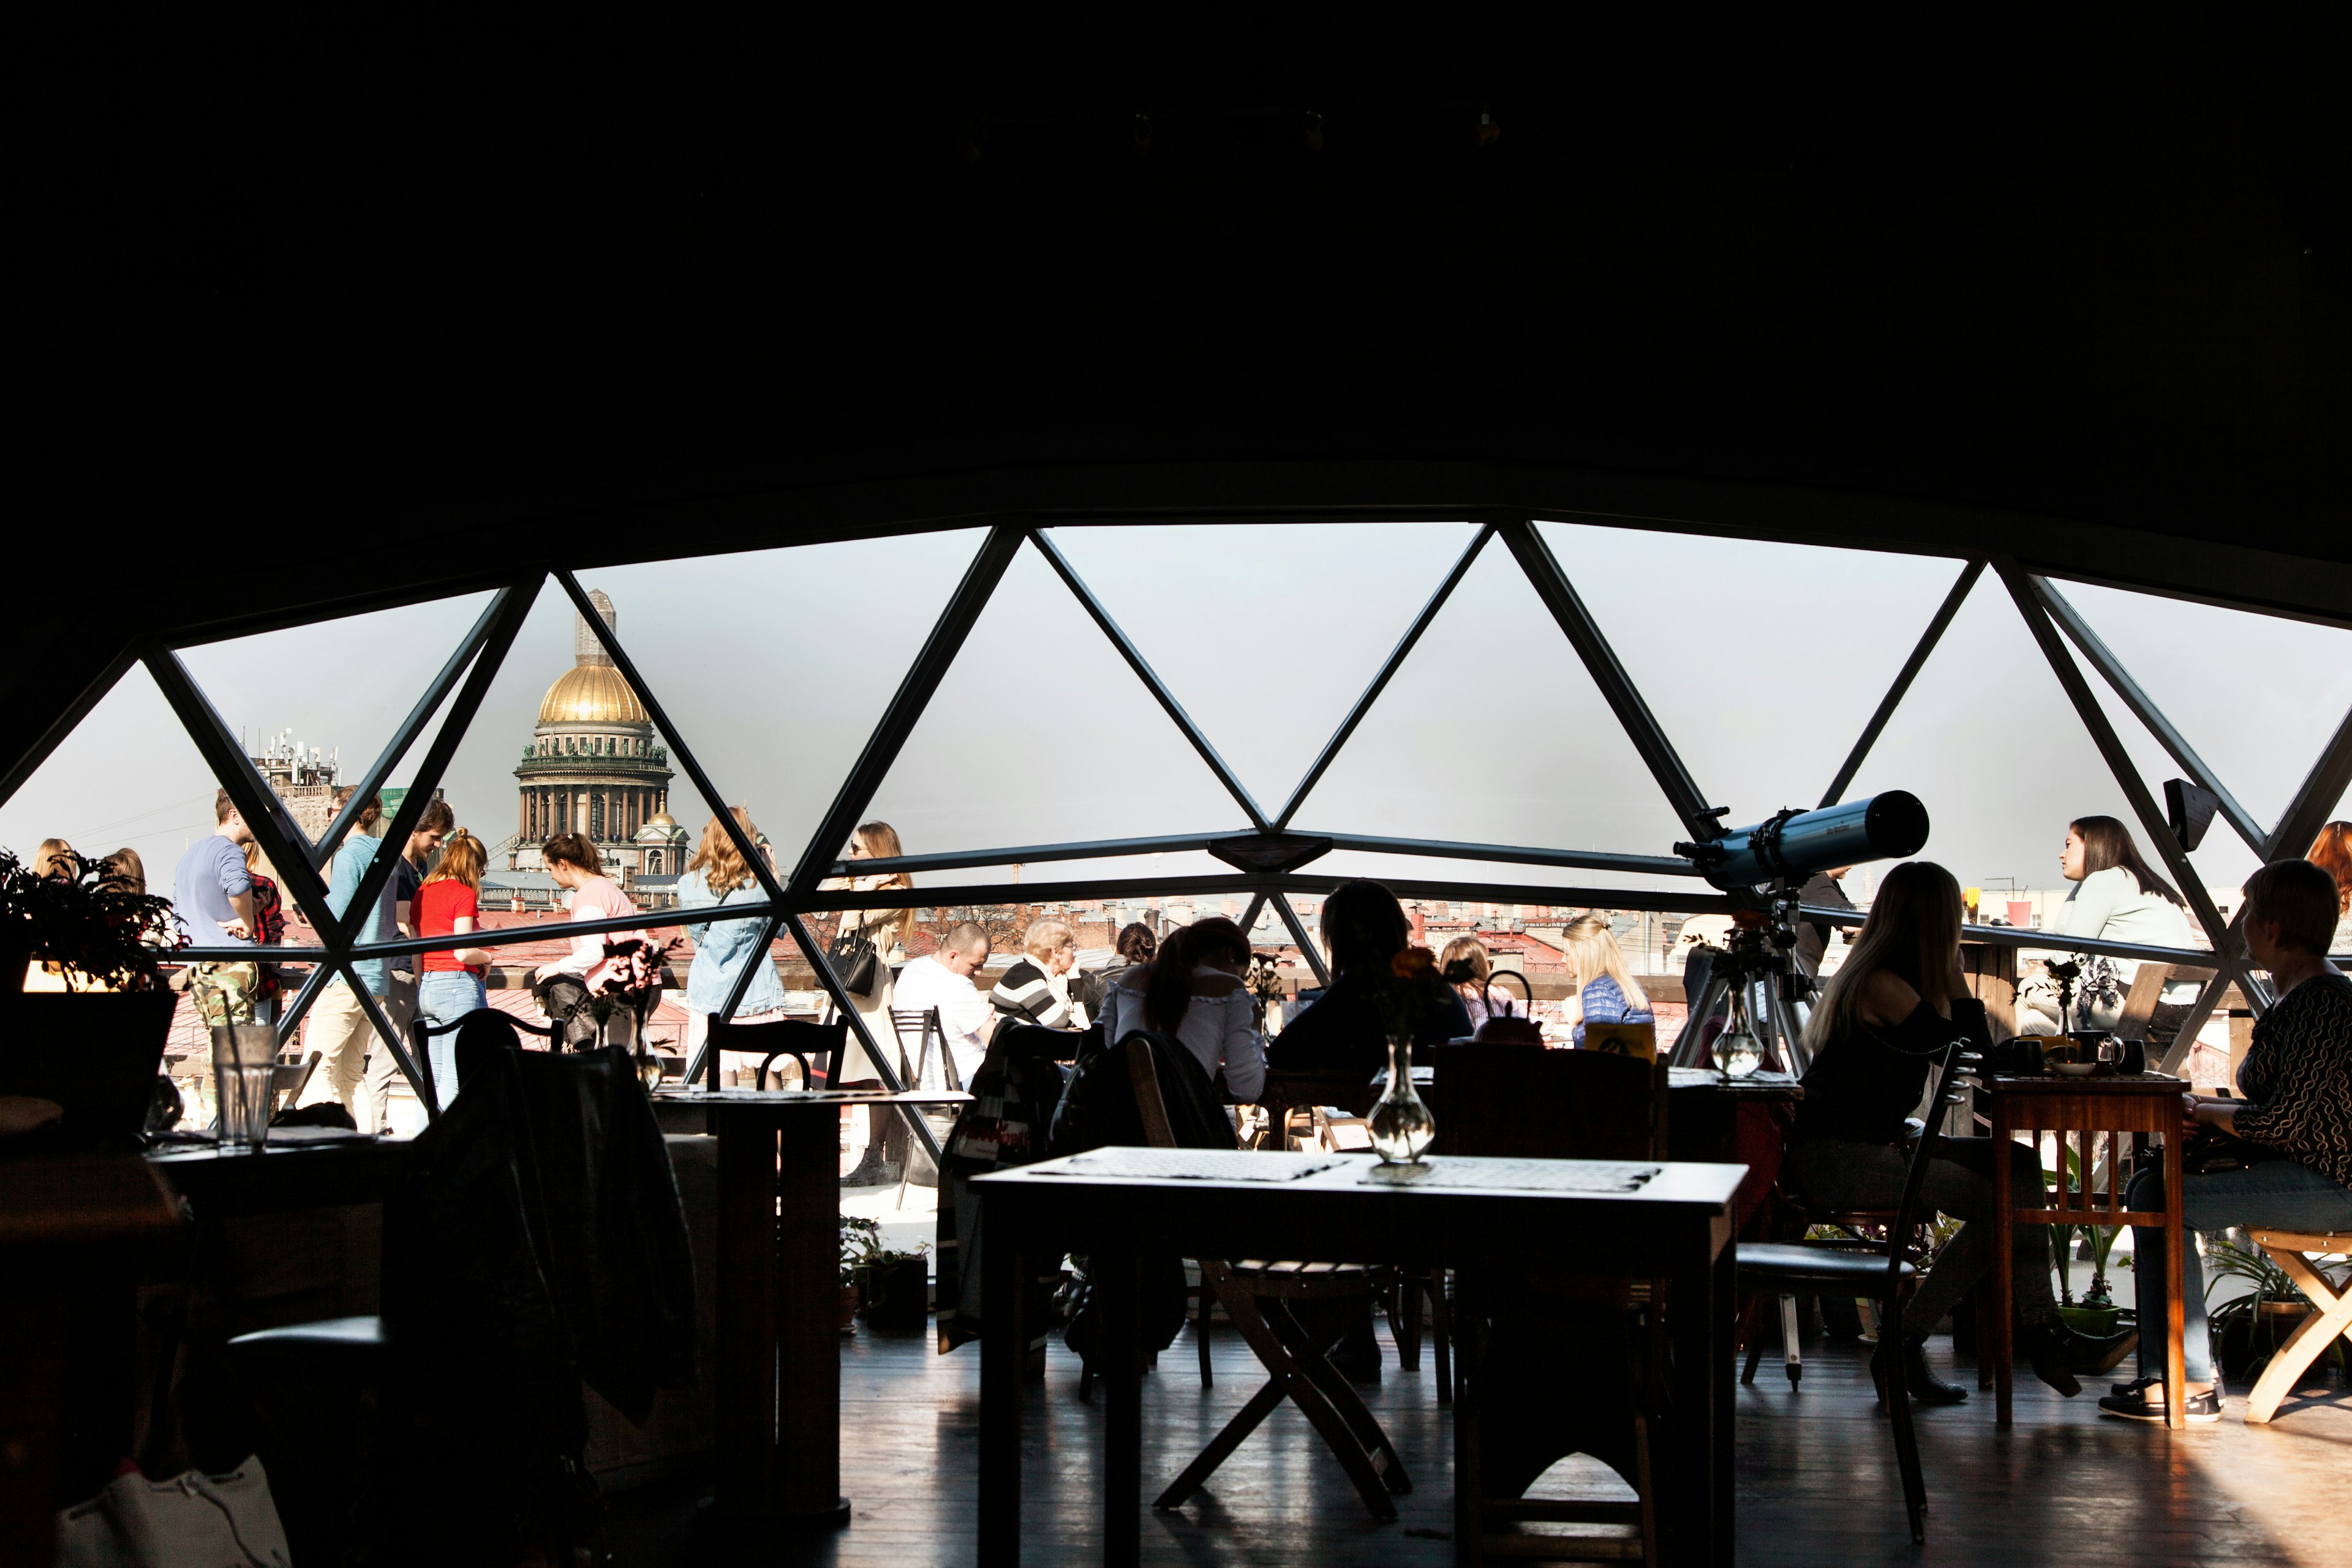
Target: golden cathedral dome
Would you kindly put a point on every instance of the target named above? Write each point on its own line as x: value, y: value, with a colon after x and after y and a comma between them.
x: 592, y: 694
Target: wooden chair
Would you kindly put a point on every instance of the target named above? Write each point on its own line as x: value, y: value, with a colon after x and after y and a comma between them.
x: 421, y: 1032
x: 1516, y: 1103
x: 1264, y: 1299
x: 1775, y: 1267
x: 2294, y: 1251
x: 814, y: 1046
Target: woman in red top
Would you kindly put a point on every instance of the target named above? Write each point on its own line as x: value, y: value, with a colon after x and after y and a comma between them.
x: 450, y: 985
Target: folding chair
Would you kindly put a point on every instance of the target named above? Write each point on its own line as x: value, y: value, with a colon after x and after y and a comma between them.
x: 925, y: 1022
x: 1262, y: 1299
x: 2332, y: 1315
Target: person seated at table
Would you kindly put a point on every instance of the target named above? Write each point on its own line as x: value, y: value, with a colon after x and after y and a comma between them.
x: 943, y: 980
x: 1193, y: 992
x: 2116, y: 898
x: 1037, y: 989
x: 2294, y: 1133
x: 1606, y: 992
x: 1875, y: 1034
x: 1364, y: 928
x: 1468, y: 967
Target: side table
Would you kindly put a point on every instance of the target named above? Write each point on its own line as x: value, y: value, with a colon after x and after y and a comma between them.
x: 2080, y: 1111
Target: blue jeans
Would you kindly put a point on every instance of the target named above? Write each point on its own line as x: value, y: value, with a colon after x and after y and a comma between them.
x: 2284, y: 1194
x: 444, y: 996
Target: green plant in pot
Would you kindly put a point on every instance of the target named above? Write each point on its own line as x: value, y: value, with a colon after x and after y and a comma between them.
x: 893, y: 1287
x: 2096, y: 1313
x: 2248, y: 1330
x: 103, y: 941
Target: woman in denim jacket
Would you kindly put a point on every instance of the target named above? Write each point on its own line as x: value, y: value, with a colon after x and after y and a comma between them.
x: 716, y: 875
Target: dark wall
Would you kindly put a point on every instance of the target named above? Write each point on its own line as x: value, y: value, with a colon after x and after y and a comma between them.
x: 336, y: 307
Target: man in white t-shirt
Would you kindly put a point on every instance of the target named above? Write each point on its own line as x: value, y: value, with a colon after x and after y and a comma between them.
x: 943, y: 980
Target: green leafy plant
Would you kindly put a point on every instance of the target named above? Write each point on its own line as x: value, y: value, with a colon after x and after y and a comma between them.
x: 89, y: 923
x: 2101, y: 1238
x: 862, y: 1249
x: 2242, y: 1318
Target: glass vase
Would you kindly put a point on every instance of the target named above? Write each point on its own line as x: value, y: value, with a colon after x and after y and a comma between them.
x: 1400, y: 1124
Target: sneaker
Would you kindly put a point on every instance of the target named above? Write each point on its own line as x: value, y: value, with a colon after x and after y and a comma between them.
x: 2146, y: 1403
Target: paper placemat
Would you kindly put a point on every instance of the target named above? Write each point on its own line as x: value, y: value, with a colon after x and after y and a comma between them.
x: 1191, y: 1165
x: 1516, y: 1175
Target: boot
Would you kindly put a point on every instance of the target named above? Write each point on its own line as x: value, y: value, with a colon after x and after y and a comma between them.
x: 1921, y: 1380
x: 2048, y: 1346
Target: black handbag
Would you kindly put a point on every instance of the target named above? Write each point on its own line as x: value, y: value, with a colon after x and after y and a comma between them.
x: 852, y: 960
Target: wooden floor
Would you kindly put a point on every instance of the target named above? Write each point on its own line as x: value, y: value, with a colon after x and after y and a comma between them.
x: 1816, y: 1476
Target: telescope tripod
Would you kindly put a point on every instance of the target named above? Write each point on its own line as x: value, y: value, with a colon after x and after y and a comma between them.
x: 1757, y: 970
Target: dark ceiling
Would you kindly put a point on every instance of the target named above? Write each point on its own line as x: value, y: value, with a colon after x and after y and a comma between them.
x: 392, y: 306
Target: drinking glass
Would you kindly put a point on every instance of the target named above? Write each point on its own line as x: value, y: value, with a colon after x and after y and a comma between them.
x: 245, y: 1062
x: 1737, y: 1049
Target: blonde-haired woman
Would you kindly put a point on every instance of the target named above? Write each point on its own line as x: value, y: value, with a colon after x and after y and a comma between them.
x: 1606, y: 991
x: 1886, y: 1017
x: 449, y: 982
x: 717, y: 874
x: 884, y: 929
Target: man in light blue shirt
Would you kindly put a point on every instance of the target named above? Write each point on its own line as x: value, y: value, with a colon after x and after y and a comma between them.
x: 341, y: 1030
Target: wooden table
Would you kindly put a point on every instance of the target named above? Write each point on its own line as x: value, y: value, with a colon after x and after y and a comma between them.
x: 1676, y: 1226
x: 298, y: 1168
x: 779, y: 1373
x: 2080, y: 1111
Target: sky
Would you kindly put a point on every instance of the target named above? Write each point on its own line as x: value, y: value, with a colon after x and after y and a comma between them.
x: 1760, y: 662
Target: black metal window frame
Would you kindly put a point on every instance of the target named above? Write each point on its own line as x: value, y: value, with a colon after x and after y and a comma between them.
x: 783, y: 903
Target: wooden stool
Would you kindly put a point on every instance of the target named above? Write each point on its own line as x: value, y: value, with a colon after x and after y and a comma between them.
x: 2293, y: 1251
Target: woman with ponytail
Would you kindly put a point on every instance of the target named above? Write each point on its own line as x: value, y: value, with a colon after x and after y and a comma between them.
x: 1191, y: 991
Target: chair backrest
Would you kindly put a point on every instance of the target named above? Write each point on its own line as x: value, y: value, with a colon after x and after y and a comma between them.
x: 2139, y: 1006
x: 483, y: 1029
x: 798, y: 1038
x: 1907, y: 1213
x: 1147, y: 1104
x: 925, y: 1022
x: 1519, y: 1103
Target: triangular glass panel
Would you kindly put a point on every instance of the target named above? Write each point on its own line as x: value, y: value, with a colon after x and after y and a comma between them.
x: 1040, y: 734
x: 563, y: 743
x: 127, y: 777
x: 2256, y: 696
x: 1770, y: 657
x: 313, y: 705
x: 1987, y: 739
x: 776, y: 665
x: 1266, y: 669
x: 1492, y: 732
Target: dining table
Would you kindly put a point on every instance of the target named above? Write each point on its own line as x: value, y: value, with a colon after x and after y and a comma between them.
x: 778, y: 1354
x: 1670, y: 1220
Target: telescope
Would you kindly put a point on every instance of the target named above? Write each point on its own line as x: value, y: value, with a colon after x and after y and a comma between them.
x: 1793, y: 845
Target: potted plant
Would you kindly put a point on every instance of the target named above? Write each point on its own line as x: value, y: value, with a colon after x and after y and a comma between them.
x: 858, y: 1237
x: 2248, y: 1330
x: 105, y: 944
x: 2096, y: 1313
x: 893, y: 1287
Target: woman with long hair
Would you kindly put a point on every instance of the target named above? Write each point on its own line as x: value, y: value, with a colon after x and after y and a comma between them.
x: 2332, y: 853
x: 856, y: 931
x: 578, y: 868
x: 717, y: 874
x: 1606, y: 991
x: 1886, y: 1017
x: 1364, y: 928
x: 449, y: 982
x: 1191, y: 991
x: 2116, y: 898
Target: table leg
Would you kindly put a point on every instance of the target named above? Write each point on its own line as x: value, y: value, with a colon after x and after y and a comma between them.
x: 1118, y: 1277
x: 1696, y: 1477
x: 779, y: 1373
x: 2175, y: 1238
x: 1002, y: 1347
x: 2004, y: 1285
